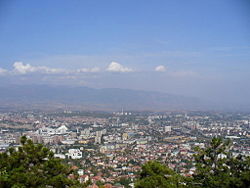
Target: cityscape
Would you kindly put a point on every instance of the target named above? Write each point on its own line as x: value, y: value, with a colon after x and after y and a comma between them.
x: 125, y: 94
x: 109, y: 148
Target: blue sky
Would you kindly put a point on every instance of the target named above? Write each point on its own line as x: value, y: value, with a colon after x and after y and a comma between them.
x: 196, y: 48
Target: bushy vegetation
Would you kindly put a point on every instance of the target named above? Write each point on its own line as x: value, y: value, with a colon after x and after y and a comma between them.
x: 216, y: 167
x: 154, y: 174
x: 33, y: 165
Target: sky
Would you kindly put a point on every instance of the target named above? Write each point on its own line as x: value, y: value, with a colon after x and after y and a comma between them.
x: 197, y: 48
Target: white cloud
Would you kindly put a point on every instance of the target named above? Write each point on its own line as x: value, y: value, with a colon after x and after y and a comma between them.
x: 117, y: 67
x: 21, y: 68
x: 94, y: 69
x: 160, y: 68
x: 3, y: 71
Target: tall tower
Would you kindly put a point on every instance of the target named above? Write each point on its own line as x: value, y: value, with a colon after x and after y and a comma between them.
x: 117, y: 121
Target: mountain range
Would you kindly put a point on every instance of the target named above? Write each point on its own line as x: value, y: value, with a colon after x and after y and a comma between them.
x: 85, y: 98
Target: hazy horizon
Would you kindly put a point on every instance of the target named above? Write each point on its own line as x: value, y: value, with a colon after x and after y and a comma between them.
x: 192, y: 48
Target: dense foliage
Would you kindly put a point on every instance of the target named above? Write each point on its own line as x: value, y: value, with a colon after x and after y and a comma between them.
x: 32, y: 165
x: 154, y: 175
x: 216, y: 167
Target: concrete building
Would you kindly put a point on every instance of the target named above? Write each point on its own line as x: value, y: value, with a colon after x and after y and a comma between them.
x: 74, y: 154
x: 167, y: 129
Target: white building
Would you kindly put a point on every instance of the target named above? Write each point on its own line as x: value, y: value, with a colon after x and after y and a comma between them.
x: 61, y: 156
x: 80, y: 172
x: 50, y: 131
x: 62, y: 130
x: 74, y: 154
x: 167, y: 129
x: 46, y: 131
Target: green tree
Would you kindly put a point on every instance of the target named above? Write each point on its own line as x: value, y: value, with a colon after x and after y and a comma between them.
x: 156, y: 175
x: 124, y: 181
x: 33, y: 165
x: 240, y: 171
x: 216, y: 167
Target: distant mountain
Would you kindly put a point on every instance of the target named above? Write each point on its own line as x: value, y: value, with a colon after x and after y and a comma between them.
x: 94, y: 99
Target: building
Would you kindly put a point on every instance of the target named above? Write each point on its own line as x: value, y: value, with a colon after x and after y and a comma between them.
x: 124, y: 136
x: 167, y: 129
x: 74, y: 154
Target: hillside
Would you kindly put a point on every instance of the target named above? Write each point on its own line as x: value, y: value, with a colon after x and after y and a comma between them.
x: 94, y: 99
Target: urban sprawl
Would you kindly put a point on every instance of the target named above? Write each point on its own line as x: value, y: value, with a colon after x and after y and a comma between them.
x: 111, y: 147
